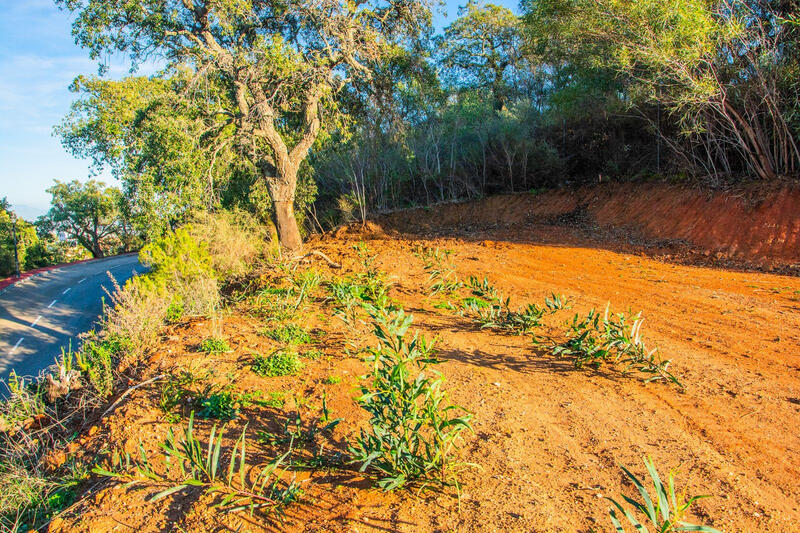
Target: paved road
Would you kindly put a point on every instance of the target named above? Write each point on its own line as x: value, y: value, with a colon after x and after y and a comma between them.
x: 42, y: 314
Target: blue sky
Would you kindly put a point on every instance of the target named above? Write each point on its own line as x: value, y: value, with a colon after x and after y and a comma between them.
x: 38, y: 61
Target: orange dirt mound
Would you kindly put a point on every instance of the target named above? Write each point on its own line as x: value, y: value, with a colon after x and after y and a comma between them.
x: 756, y: 224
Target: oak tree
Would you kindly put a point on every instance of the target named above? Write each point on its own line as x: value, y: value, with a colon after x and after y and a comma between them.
x: 281, y: 64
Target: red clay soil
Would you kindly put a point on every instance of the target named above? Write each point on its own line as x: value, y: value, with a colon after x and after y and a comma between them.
x: 548, y: 438
x: 758, y: 225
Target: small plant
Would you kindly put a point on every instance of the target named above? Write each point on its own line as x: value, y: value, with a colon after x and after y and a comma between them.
x: 222, y: 405
x: 595, y: 340
x: 94, y: 360
x: 174, y: 312
x: 664, y: 510
x: 214, y: 346
x: 295, y: 431
x: 203, y: 467
x: 312, y: 354
x: 289, y: 334
x: 489, y: 310
x: 412, y: 432
x: 332, y: 380
x: 279, y: 363
x: 441, y: 272
x: 176, y: 389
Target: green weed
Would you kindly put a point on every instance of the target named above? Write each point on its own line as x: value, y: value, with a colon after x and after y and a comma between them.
x: 663, y: 509
x: 279, y: 363
x: 289, y: 334
x: 190, y: 464
x: 214, y: 346
x: 442, y: 276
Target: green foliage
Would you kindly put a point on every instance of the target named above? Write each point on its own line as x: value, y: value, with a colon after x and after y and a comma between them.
x: 279, y: 363
x: 221, y: 405
x: 413, y: 428
x: 88, y: 213
x: 289, y: 334
x: 595, y: 340
x: 487, y: 308
x: 191, y: 464
x: 214, y: 345
x: 482, y: 47
x: 26, y: 399
x: 174, y: 312
x: 95, y: 360
x: 663, y: 509
x: 182, y: 266
x: 368, y: 288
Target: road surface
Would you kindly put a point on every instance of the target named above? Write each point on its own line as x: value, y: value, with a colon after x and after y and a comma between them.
x: 42, y: 314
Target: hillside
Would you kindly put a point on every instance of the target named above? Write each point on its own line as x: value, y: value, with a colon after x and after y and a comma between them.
x: 547, y: 438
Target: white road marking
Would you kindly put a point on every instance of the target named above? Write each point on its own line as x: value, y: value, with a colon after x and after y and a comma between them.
x: 66, y: 291
x: 52, y: 304
x: 81, y: 281
x: 38, y: 318
x: 14, y: 349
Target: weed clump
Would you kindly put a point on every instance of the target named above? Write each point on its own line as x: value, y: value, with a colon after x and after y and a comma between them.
x: 214, y: 345
x: 279, y: 363
x: 289, y: 334
x: 664, y: 509
x: 442, y: 276
x: 191, y: 464
x: 596, y: 339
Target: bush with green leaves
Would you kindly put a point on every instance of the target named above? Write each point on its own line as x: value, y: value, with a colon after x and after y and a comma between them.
x: 181, y: 265
x: 221, y: 405
x: 664, y: 510
x: 191, y: 464
x: 278, y: 363
x: 597, y: 339
x: 413, y: 429
x: 174, y: 312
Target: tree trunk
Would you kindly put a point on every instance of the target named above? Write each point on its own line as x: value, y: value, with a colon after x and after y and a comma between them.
x: 286, y: 224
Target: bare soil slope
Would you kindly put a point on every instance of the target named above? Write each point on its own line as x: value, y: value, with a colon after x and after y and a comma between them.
x: 548, y: 438
x: 755, y: 226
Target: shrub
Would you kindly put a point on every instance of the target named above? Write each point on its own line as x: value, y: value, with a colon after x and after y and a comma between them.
x: 664, y: 510
x: 182, y: 265
x: 222, y: 405
x: 413, y: 431
x: 136, y: 314
x: 280, y: 363
x: 174, y: 312
x: 233, y: 239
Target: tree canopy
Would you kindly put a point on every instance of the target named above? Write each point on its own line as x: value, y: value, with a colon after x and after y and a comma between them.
x: 278, y: 65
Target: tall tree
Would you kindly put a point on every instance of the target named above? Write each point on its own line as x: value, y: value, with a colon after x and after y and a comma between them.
x: 282, y: 62
x: 481, y: 46
x: 86, y: 212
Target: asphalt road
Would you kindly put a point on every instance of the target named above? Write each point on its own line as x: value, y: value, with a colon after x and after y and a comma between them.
x: 42, y: 314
